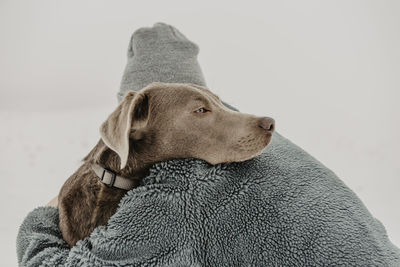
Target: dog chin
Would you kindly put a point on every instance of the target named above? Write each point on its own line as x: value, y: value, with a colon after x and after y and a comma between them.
x: 241, y: 159
x: 253, y: 155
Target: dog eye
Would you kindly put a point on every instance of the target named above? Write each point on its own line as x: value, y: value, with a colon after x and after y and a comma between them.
x: 201, y: 110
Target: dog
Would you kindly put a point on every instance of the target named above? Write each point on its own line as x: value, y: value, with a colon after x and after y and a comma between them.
x: 163, y: 121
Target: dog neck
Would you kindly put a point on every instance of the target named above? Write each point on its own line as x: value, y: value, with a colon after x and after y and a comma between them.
x: 103, y: 156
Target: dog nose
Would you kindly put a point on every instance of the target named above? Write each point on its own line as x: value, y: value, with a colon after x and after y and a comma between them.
x: 267, y: 124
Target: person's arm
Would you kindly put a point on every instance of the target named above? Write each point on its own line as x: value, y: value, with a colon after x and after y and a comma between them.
x: 39, y: 241
x: 121, y: 242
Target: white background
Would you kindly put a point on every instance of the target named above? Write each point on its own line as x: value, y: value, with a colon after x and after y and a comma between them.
x: 327, y: 71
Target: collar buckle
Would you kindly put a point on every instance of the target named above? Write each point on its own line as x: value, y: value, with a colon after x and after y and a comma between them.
x: 113, y: 176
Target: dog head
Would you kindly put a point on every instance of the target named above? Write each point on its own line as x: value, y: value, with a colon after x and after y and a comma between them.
x: 169, y: 120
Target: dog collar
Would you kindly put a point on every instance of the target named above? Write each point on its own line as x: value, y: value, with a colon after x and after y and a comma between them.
x: 111, y: 179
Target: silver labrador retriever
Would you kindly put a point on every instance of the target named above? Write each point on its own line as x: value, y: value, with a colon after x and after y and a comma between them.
x: 162, y: 121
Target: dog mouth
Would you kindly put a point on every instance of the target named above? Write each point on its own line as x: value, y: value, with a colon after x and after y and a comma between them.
x: 245, y: 148
x: 251, y: 148
x: 255, y: 154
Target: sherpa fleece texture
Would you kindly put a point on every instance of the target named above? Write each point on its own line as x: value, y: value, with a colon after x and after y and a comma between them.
x: 282, y: 208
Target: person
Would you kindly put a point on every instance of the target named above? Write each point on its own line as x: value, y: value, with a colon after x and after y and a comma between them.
x: 282, y: 208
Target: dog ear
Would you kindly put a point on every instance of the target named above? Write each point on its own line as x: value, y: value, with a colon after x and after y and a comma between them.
x: 115, y: 131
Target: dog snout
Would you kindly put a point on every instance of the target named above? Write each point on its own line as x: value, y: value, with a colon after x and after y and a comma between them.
x: 267, y: 124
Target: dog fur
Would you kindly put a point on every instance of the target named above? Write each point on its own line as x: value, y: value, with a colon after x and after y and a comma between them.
x: 161, y: 122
